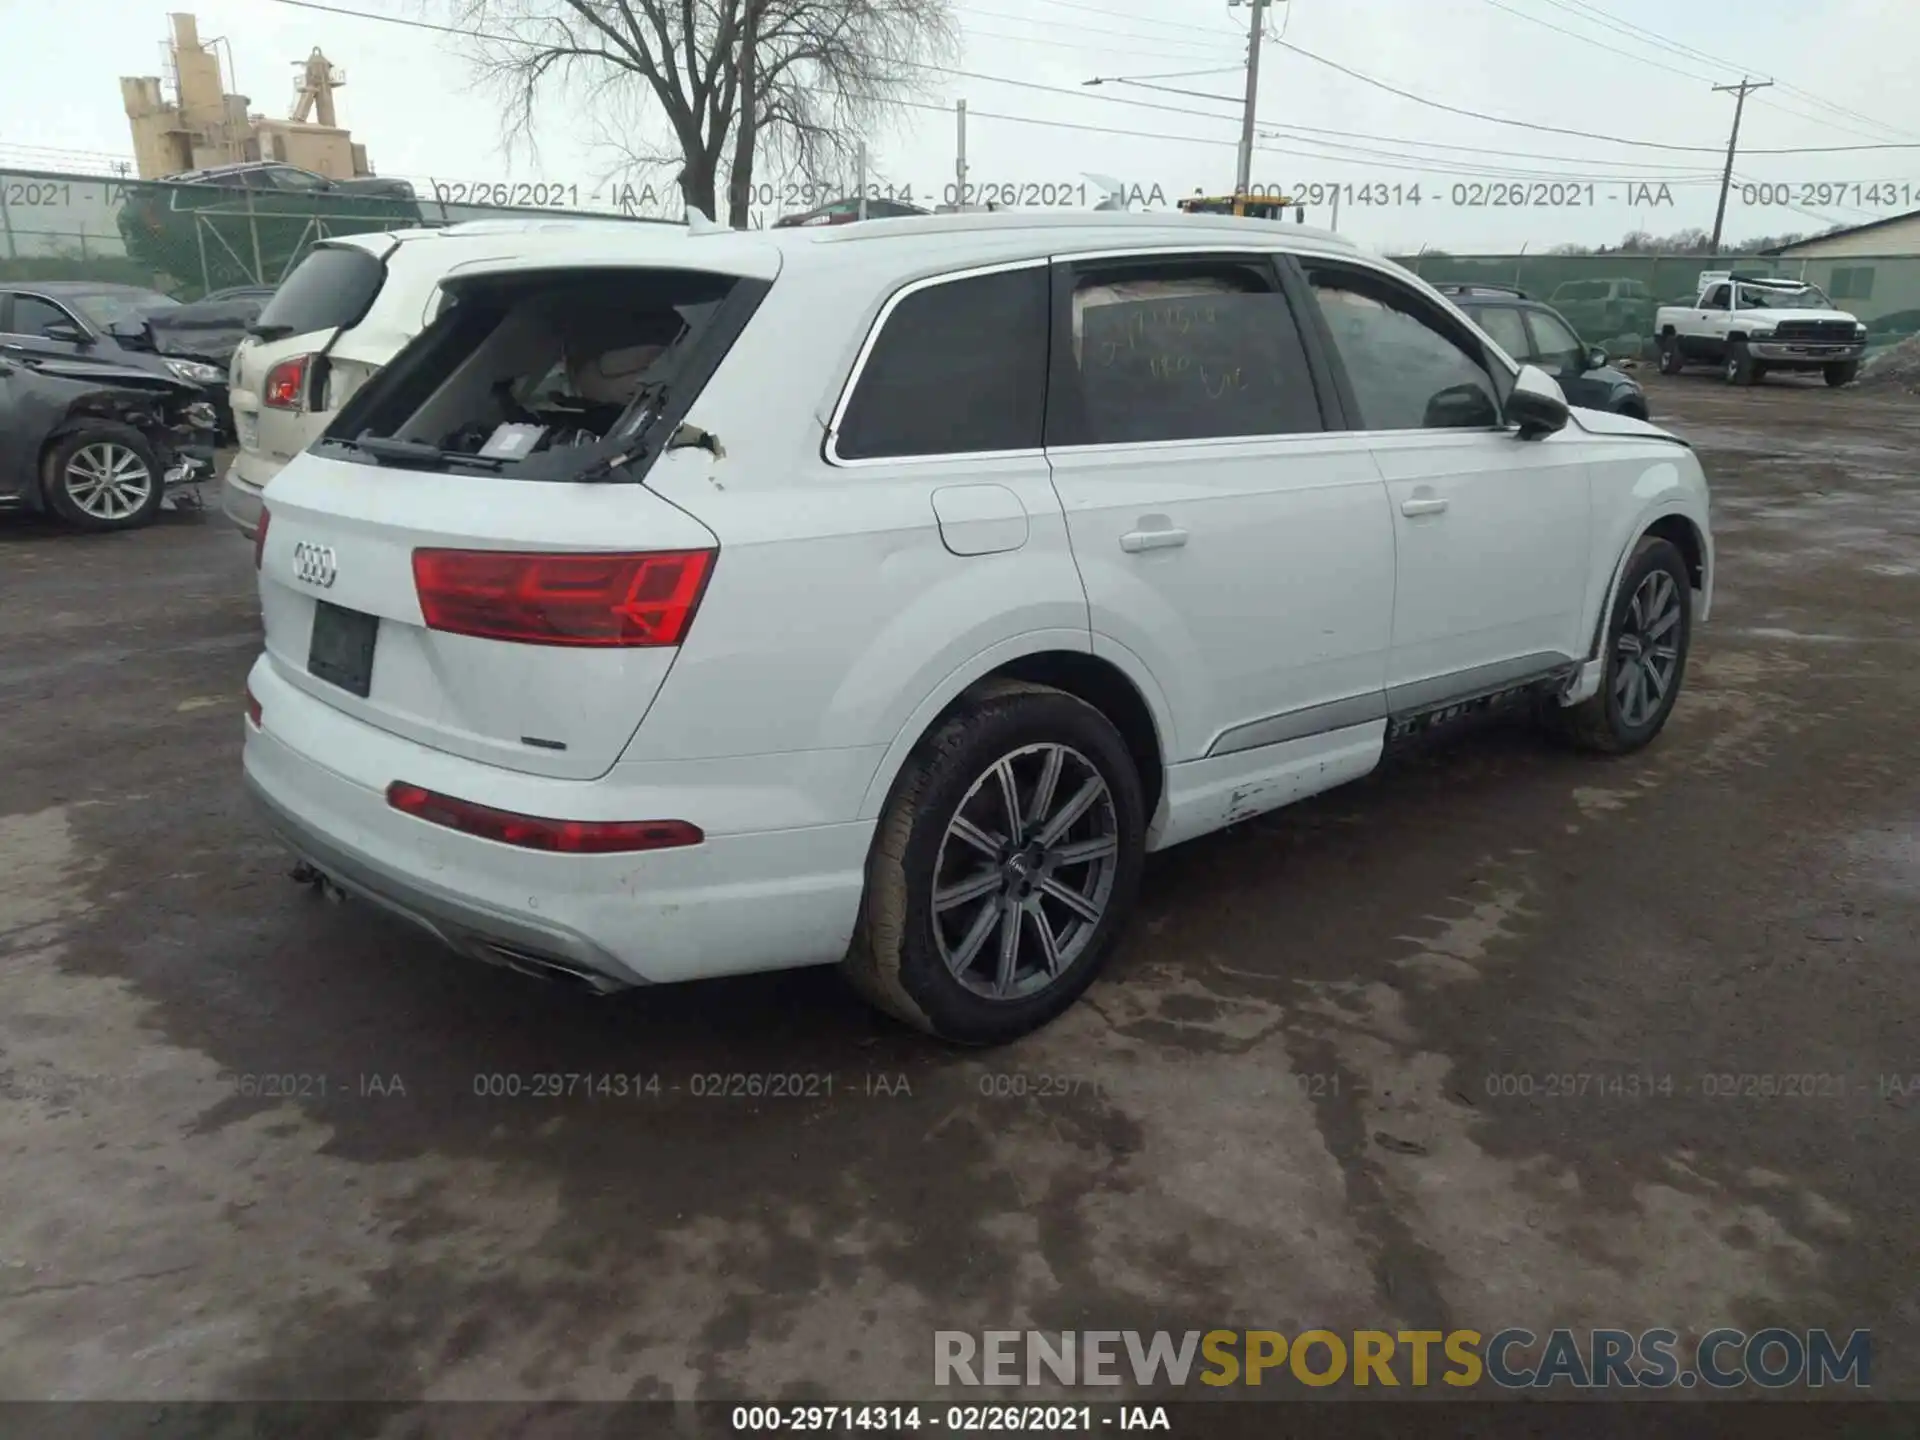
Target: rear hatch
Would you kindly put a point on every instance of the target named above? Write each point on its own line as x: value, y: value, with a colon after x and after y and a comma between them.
x: 467, y: 558
x: 278, y: 386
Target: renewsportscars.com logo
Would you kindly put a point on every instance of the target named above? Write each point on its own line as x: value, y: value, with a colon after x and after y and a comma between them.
x: 1513, y: 1359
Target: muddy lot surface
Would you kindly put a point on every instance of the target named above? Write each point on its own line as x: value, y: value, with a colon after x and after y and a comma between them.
x: 1334, y: 1080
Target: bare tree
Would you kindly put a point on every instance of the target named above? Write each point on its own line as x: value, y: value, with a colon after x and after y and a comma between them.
x: 793, y: 81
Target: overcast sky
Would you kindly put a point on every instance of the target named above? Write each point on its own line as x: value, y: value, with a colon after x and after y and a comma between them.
x: 411, y: 99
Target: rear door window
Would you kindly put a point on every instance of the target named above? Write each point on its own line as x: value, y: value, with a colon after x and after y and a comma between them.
x: 959, y: 368
x: 332, y: 288
x: 1179, y: 349
x: 1503, y: 324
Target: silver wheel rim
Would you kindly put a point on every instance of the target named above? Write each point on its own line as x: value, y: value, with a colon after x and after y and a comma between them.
x: 1647, y: 650
x: 108, y: 481
x: 1025, y: 872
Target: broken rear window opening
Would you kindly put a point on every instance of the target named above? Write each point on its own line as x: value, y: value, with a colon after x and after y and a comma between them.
x: 552, y: 375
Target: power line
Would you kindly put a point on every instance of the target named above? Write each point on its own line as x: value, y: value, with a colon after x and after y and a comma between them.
x: 1152, y: 40
x: 1589, y: 40
x: 1670, y: 69
x: 1639, y: 167
x: 1592, y: 12
x: 1082, y: 94
x: 1560, y: 130
x: 1079, y: 47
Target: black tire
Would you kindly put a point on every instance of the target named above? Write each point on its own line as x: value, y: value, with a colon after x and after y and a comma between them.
x: 1844, y: 373
x: 1739, y: 368
x: 1671, y: 361
x: 1603, y: 723
x: 1632, y: 409
x: 103, y: 448
x: 898, y: 955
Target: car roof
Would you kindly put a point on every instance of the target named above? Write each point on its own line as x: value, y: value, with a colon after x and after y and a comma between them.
x: 902, y: 244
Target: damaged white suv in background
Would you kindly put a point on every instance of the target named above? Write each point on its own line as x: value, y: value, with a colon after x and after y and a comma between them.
x: 684, y: 604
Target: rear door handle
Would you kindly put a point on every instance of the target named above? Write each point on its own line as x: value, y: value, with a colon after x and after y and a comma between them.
x: 1134, y: 541
x: 1431, y: 506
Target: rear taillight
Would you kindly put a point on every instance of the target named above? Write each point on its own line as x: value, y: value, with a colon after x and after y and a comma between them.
x: 286, y: 387
x: 562, y: 599
x: 260, y: 538
x: 254, y: 711
x: 530, y: 832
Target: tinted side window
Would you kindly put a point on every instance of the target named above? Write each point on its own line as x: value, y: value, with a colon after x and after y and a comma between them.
x: 1180, y: 351
x: 1407, y: 368
x: 1556, y: 348
x: 1716, y: 299
x: 1503, y: 324
x: 960, y: 367
x: 32, y: 315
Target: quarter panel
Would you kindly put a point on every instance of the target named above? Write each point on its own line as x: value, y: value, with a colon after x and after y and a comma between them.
x: 835, y: 610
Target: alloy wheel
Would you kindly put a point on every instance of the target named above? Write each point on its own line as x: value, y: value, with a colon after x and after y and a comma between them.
x: 1647, y: 649
x: 108, y: 481
x: 1025, y: 871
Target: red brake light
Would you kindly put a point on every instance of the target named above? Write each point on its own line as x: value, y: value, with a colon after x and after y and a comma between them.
x: 562, y: 599
x: 287, y: 385
x: 529, y: 832
x: 254, y: 712
x: 260, y: 538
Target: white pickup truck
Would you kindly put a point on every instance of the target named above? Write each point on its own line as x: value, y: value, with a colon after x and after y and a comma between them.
x: 1750, y: 324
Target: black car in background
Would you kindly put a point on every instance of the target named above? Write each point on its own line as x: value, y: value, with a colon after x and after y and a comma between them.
x: 120, y: 327
x: 1534, y: 333
x: 846, y: 212
x: 211, y: 328
x: 95, y: 443
x: 249, y: 224
x: 280, y: 178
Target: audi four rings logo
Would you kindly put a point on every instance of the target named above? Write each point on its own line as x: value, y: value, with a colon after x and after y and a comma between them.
x: 313, y: 564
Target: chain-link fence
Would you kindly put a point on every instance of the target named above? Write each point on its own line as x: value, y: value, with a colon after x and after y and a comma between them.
x: 190, y: 240
x: 1610, y: 299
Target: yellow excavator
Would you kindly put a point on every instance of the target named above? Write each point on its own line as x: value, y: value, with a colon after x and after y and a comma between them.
x: 1252, y: 207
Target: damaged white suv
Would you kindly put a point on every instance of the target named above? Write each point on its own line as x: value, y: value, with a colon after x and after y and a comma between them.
x: 682, y: 604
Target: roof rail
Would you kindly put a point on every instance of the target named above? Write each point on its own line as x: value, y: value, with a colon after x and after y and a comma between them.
x: 1468, y: 287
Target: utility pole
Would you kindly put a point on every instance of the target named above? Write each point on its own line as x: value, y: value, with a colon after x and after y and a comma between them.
x: 1243, y: 176
x: 960, y: 153
x: 1733, y: 142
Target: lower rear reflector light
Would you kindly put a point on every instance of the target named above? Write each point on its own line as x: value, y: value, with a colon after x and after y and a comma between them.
x: 254, y: 712
x: 531, y: 832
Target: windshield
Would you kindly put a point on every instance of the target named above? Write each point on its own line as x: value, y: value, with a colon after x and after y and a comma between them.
x: 106, y: 308
x: 1799, y: 297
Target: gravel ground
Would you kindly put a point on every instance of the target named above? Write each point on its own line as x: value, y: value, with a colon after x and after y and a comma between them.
x: 1315, y: 1089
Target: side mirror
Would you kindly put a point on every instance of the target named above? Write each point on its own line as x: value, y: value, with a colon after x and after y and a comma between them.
x: 66, y: 334
x: 1596, y: 358
x: 1536, y: 404
x: 1461, y: 407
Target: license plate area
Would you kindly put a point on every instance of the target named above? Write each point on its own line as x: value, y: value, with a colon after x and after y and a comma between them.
x: 341, y: 650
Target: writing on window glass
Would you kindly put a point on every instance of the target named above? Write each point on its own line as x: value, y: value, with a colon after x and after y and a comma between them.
x: 1158, y: 342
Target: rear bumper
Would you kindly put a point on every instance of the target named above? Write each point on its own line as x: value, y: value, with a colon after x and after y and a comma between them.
x: 737, y: 903
x: 458, y: 921
x: 241, y: 490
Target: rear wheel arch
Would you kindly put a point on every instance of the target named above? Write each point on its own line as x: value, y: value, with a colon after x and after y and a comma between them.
x: 1092, y: 678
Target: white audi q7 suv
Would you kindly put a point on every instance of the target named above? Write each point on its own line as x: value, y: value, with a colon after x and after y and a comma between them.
x: 681, y: 604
